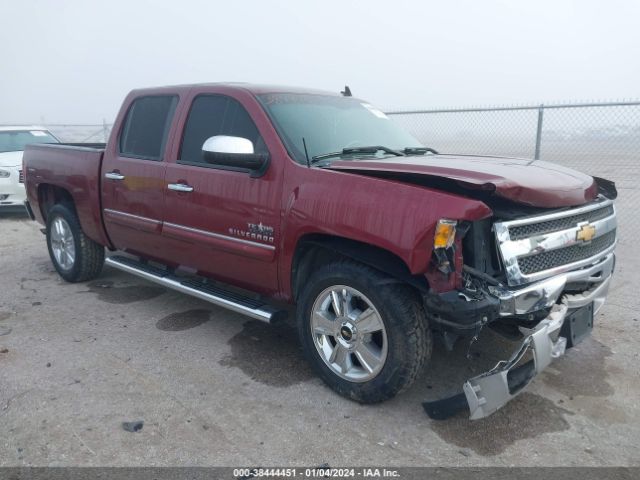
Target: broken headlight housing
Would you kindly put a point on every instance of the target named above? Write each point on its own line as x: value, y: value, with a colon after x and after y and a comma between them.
x: 443, y: 239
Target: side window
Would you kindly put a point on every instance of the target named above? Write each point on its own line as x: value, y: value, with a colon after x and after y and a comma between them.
x: 146, y: 127
x: 216, y: 115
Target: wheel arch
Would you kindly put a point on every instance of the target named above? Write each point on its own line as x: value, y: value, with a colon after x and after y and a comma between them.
x: 50, y: 195
x: 86, y: 207
x: 314, y: 250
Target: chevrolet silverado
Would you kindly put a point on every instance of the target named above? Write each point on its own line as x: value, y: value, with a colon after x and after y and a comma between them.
x: 253, y: 197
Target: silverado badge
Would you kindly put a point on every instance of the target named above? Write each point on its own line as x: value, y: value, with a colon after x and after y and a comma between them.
x: 255, y: 232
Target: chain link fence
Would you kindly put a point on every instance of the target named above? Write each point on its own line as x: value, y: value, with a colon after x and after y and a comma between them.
x: 81, y: 133
x: 600, y: 139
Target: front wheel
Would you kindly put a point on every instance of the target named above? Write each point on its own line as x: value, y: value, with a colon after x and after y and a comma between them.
x: 364, y: 333
x: 75, y: 256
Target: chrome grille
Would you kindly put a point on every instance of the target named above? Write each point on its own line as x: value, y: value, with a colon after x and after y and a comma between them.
x: 564, y: 256
x: 20, y: 176
x: 538, y: 247
x: 526, y: 231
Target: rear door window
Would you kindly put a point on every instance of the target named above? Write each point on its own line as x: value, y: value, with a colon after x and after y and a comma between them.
x: 212, y: 115
x: 146, y: 127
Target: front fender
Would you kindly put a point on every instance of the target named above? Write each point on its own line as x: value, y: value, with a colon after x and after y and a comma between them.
x: 390, y: 215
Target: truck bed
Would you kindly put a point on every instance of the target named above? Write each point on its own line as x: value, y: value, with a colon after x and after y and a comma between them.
x: 73, y: 168
x: 97, y: 146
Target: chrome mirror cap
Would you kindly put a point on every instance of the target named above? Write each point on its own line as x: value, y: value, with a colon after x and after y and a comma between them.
x: 228, y: 144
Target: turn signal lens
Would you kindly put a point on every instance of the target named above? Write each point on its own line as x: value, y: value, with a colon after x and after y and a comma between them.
x: 445, y: 233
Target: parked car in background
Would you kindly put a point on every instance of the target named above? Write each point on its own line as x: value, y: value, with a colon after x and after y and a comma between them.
x: 13, y: 141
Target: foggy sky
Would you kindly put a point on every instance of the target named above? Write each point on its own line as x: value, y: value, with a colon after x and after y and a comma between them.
x: 75, y: 60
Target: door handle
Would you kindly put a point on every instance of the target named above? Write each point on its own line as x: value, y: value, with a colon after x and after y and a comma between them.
x: 180, y: 187
x: 114, y: 176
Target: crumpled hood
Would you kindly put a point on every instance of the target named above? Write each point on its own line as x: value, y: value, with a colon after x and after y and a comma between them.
x: 529, y: 182
x: 11, y: 159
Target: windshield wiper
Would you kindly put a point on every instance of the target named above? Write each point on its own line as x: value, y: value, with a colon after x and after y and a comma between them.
x: 372, y: 150
x: 419, y: 151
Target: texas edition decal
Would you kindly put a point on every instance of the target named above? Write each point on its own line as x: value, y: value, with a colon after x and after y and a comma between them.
x: 254, y: 231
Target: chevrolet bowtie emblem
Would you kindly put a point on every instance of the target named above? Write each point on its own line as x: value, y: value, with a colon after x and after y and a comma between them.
x: 586, y: 232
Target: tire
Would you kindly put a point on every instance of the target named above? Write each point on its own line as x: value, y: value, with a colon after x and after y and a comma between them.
x: 391, y: 305
x: 75, y: 256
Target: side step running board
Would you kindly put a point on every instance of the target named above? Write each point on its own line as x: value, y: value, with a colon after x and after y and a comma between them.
x: 205, y: 291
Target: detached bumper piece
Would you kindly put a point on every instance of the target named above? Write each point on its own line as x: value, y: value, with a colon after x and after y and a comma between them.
x: 491, y: 390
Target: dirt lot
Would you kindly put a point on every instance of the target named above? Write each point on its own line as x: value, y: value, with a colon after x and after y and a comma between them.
x: 215, y: 388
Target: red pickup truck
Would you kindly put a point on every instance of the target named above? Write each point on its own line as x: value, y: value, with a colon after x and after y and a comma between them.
x: 253, y: 197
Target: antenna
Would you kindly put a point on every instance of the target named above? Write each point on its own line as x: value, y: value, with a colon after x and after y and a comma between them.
x: 306, y: 153
x: 346, y: 92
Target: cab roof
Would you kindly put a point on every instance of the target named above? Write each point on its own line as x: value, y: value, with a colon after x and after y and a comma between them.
x: 255, y: 89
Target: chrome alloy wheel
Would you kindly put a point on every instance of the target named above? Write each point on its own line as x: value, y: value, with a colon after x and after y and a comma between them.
x: 349, y: 333
x: 63, y: 244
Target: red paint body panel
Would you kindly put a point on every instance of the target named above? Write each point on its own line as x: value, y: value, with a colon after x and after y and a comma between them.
x: 139, y: 197
x: 208, y: 229
x: 196, y: 240
x: 530, y: 182
x: 76, y: 170
x: 224, y: 201
x: 120, y: 220
x: 397, y: 217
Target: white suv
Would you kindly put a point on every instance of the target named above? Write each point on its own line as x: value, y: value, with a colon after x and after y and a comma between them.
x: 12, y: 143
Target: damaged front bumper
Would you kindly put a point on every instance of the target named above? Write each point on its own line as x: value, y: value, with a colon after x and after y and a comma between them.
x: 491, y: 390
x: 545, y: 293
x: 486, y: 393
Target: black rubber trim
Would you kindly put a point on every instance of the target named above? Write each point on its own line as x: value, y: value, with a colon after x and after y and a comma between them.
x: 453, y: 313
x: 446, y: 407
x: 220, y: 292
x: 145, y: 267
x: 27, y: 205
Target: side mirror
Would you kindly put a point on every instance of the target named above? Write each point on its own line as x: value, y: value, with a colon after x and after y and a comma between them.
x: 235, y: 152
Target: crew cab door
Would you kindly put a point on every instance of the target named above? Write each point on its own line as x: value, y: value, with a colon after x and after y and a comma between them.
x: 222, y: 222
x: 133, y: 171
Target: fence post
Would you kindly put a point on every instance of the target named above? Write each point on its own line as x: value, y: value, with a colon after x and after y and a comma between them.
x: 105, y: 130
x: 536, y: 155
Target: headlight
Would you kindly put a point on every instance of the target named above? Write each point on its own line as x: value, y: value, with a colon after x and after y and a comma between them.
x: 445, y: 233
x: 4, y: 173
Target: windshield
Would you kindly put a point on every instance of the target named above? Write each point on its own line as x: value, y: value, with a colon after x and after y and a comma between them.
x: 330, y: 124
x: 16, y: 140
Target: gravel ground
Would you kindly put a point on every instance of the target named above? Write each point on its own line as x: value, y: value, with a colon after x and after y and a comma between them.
x: 215, y: 388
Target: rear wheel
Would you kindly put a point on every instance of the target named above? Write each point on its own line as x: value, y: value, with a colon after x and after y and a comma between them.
x: 75, y: 256
x: 364, y: 333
